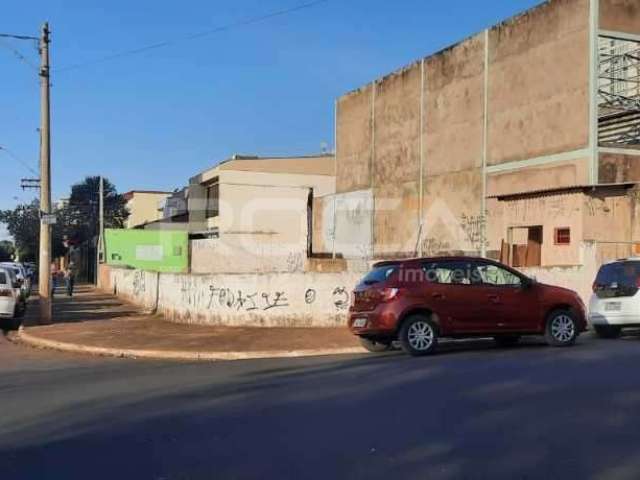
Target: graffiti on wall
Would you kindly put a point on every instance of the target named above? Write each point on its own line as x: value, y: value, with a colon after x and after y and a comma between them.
x: 250, y: 301
x: 474, y: 227
x: 139, y: 283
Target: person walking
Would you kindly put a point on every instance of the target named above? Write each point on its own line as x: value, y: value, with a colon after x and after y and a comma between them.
x: 54, y: 278
x: 70, y: 278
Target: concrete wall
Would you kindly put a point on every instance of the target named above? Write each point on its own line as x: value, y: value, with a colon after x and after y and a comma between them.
x: 349, y: 215
x: 578, y: 277
x: 354, y: 142
x: 550, y: 212
x: 263, y: 209
x: 617, y: 168
x: 539, y: 82
x: 258, y: 300
x: 539, y: 177
x: 247, y: 253
x: 620, y: 15
x: 417, y: 136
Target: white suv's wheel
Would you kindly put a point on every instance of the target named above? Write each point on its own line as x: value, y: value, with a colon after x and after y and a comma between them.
x: 418, y: 336
x: 561, y: 330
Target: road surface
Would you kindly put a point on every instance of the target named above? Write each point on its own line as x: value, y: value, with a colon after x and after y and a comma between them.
x: 472, y: 411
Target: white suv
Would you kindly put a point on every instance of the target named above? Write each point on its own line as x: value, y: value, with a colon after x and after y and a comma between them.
x: 615, y: 303
x: 11, y: 303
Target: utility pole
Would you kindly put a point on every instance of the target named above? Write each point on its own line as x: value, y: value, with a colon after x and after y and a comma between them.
x: 44, y: 277
x: 99, y: 248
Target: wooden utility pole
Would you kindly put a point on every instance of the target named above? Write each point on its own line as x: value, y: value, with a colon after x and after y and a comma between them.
x: 44, y: 277
x: 99, y: 247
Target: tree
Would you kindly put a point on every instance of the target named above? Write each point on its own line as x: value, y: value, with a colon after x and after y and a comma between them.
x: 23, y: 223
x: 7, y: 250
x: 80, y: 218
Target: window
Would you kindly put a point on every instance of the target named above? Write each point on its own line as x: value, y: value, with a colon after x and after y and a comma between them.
x: 378, y: 275
x: 3, y: 279
x: 496, y: 276
x: 454, y: 273
x: 562, y: 236
x: 213, y: 196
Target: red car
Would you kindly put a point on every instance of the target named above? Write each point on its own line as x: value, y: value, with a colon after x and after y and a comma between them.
x: 418, y: 301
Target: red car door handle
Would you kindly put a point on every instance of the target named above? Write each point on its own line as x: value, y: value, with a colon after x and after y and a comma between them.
x: 494, y: 298
x: 438, y: 296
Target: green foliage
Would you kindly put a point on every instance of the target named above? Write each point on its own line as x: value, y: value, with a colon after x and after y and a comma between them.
x: 23, y: 223
x: 80, y: 218
x: 77, y: 221
x: 7, y: 250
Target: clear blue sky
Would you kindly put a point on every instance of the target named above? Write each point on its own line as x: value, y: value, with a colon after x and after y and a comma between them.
x: 150, y: 121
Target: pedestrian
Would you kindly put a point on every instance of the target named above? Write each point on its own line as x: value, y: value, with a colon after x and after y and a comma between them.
x: 70, y: 278
x: 54, y: 278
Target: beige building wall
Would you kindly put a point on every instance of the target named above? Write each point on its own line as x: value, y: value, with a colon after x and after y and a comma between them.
x: 620, y: 15
x: 504, y: 111
x: 263, y: 214
x: 144, y: 207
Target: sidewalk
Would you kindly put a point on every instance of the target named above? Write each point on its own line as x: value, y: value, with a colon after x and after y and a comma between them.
x: 97, y: 323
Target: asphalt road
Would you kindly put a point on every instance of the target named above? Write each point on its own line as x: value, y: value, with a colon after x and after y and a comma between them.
x: 472, y: 411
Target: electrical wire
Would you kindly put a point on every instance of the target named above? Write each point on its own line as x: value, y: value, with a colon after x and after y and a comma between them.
x: 24, y: 164
x: 19, y: 55
x: 223, y: 28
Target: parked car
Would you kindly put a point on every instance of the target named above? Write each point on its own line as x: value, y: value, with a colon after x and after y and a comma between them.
x: 615, y: 303
x: 419, y: 301
x: 12, y: 303
x: 21, y: 274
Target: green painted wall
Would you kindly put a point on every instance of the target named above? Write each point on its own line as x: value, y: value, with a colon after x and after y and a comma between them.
x: 159, y: 251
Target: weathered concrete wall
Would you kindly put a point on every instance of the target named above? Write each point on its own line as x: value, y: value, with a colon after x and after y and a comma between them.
x: 535, y: 109
x: 258, y: 300
x: 136, y: 286
x: 620, y: 16
x: 608, y: 217
x: 541, y: 177
x: 248, y: 252
x: 539, y: 82
x: 354, y: 140
x: 550, y: 212
x: 617, y: 168
x: 454, y: 108
x: 452, y: 212
x: 352, y: 224
x: 396, y: 220
x: 397, y: 127
x: 578, y: 278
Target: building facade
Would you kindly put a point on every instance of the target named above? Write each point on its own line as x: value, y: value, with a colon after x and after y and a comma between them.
x: 145, y: 206
x: 256, y: 211
x: 427, y: 155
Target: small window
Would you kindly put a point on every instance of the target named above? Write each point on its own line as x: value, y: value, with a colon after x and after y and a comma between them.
x: 3, y: 279
x: 213, y: 194
x: 563, y: 236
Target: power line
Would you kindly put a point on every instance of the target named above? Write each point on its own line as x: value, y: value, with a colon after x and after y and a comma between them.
x: 19, y: 55
x: 18, y: 37
x: 194, y: 36
x: 24, y: 164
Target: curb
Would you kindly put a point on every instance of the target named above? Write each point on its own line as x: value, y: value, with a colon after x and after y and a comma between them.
x: 23, y: 337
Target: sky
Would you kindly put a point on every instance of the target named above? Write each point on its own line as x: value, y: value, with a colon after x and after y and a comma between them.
x: 152, y: 120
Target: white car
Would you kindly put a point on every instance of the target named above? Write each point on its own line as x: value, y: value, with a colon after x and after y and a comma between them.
x: 12, y: 303
x: 615, y: 303
x: 21, y: 274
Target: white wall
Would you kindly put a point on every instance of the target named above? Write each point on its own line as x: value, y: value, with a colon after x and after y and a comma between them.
x: 579, y: 278
x: 257, y: 300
